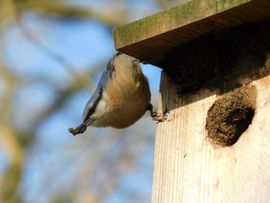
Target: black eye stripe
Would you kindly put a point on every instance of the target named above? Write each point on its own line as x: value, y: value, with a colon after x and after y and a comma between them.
x: 94, y: 106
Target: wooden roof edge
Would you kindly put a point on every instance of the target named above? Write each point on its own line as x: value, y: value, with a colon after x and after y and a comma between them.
x: 171, y: 19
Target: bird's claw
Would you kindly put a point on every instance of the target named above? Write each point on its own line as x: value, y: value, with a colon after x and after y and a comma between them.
x: 159, y: 117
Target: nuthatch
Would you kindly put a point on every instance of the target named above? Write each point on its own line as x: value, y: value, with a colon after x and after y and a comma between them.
x: 121, y: 97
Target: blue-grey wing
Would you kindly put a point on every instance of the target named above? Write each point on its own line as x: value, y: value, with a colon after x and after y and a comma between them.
x: 97, y: 95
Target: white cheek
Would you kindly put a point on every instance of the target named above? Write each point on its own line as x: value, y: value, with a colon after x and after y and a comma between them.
x: 101, y: 110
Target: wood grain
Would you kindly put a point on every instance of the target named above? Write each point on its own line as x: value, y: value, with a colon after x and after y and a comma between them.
x: 187, y: 168
x: 151, y: 38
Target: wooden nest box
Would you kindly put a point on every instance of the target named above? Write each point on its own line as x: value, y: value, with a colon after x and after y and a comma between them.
x: 215, y: 84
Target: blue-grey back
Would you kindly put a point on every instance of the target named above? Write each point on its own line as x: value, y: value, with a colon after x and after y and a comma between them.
x: 102, y: 85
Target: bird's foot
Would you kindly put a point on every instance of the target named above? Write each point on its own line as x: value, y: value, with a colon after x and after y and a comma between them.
x: 158, y: 117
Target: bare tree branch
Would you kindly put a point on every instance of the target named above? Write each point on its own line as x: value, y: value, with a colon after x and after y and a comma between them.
x: 22, y: 141
x: 33, y: 38
x: 111, y: 18
x: 9, y: 142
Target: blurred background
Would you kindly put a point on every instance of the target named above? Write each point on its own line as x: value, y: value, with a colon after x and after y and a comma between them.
x: 51, y: 57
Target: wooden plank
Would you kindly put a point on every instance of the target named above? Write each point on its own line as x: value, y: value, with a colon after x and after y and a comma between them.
x: 151, y: 38
x: 188, y: 168
x: 214, y: 87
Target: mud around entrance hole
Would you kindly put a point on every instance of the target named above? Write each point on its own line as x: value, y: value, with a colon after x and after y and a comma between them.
x: 231, y: 115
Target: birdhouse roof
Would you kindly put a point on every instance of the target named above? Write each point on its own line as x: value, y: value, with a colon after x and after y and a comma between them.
x: 149, y: 39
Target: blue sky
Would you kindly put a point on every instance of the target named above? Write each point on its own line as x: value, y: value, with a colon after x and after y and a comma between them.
x: 83, y: 44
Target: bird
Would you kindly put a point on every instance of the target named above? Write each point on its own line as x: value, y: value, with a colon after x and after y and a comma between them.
x: 121, y: 98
